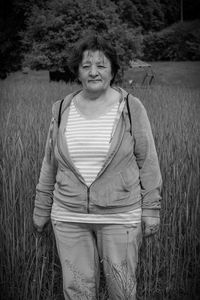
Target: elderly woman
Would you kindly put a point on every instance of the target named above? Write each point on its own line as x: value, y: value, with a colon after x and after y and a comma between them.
x: 100, y: 178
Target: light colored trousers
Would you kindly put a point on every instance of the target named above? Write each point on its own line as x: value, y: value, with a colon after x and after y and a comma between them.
x: 81, y: 247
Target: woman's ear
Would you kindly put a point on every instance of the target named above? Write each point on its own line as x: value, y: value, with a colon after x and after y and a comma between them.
x: 78, y: 81
x: 112, y: 79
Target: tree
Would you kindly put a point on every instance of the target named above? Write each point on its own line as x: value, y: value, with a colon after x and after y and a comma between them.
x: 128, y: 13
x: 10, y: 21
x: 152, y: 14
x: 13, y: 14
x: 171, y: 10
x: 52, y: 31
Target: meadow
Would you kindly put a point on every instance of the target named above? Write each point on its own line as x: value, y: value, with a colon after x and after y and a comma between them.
x: 169, y: 266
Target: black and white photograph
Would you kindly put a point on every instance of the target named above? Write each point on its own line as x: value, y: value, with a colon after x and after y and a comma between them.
x: 100, y: 149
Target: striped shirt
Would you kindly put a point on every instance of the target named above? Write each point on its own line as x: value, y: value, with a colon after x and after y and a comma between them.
x: 88, y: 142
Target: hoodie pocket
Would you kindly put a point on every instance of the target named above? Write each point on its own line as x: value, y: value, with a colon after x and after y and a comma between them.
x: 118, y: 189
x: 67, y: 186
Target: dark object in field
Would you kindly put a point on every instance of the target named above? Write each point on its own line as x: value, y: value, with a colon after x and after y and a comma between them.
x: 25, y: 70
x: 3, y: 74
x: 65, y: 75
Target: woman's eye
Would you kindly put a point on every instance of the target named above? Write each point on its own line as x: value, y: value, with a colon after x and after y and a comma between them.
x: 101, y: 67
x: 86, y: 67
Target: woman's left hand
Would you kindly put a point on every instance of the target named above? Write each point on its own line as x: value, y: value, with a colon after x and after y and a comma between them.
x: 150, y: 225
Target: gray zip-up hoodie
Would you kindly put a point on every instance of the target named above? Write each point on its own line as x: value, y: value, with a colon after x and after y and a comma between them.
x: 130, y: 177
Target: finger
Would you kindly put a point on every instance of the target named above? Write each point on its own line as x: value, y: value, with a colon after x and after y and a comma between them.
x: 39, y: 229
x: 148, y: 233
x: 151, y: 230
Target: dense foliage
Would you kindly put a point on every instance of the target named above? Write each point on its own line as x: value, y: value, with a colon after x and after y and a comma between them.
x: 179, y: 42
x: 41, y: 32
x: 51, y: 32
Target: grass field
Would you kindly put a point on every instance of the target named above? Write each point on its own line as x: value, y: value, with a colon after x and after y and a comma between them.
x: 169, y: 266
x: 182, y: 74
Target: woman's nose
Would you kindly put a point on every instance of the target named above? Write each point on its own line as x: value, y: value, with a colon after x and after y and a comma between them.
x: 93, y: 70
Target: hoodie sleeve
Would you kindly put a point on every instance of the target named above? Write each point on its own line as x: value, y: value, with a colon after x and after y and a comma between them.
x: 47, y: 178
x: 147, y: 160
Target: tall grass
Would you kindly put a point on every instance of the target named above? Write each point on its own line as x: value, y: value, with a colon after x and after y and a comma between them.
x: 172, y: 264
x: 169, y: 266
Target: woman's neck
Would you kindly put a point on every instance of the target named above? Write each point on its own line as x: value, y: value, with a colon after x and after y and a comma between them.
x: 96, y: 104
x: 97, y: 96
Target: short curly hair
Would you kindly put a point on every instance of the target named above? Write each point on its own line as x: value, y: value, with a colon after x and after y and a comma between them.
x: 93, y: 42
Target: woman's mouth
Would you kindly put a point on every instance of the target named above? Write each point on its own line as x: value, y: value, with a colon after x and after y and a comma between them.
x: 95, y: 80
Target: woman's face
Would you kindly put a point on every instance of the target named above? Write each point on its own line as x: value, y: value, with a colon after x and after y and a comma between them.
x: 95, y: 71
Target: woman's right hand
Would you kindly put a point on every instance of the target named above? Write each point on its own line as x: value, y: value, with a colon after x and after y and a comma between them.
x: 39, y: 223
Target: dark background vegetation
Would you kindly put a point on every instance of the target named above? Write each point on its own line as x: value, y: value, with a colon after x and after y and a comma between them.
x: 39, y: 33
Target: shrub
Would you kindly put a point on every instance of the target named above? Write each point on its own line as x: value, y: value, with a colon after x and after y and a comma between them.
x: 181, y: 41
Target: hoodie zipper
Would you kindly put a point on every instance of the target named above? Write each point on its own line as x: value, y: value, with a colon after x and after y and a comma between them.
x: 88, y: 199
x: 74, y: 171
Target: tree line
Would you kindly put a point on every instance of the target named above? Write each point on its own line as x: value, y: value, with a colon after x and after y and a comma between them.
x: 40, y: 33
